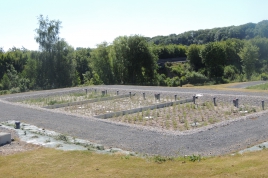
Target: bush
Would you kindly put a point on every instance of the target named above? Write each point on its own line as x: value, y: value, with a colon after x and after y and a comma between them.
x: 230, y: 72
x: 264, y: 76
x: 15, y: 90
x: 196, y: 78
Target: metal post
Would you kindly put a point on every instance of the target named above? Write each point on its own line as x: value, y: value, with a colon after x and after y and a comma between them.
x: 117, y: 92
x: 17, y: 124
x: 234, y: 103
x: 86, y: 91
x: 237, y: 105
x: 143, y: 95
x: 194, y: 99
x: 158, y: 97
x: 175, y: 97
x: 130, y: 94
x: 262, y: 104
x: 214, y: 100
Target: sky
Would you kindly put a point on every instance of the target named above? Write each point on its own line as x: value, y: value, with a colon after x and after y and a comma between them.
x: 86, y: 23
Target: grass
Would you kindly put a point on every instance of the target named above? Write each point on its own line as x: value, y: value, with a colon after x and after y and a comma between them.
x: 59, y: 99
x: 54, y: 163
x: 259, y: 87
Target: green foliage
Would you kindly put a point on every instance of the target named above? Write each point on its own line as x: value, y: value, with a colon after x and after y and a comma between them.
x: 246, y: 31
x: 230, y: 72
x: 194, y: 158
x: 259, y: 87
x: 214, y: 57
x: 264, y: 76
x: 193, y: 56
x: 55, y: 64
x: 5, y: 82
x: 249, y: 56
x: 101, y: 63
x: 196, y: 78
x: 132, y: 61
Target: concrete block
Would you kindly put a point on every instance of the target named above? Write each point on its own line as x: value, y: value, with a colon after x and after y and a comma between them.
x: 5, y: 138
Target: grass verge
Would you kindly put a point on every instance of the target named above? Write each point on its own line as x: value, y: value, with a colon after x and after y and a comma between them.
x: 54, y: 163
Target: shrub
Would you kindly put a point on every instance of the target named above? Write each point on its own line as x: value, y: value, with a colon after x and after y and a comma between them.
x: 195, y: 78
x: 15, y: 90
x: 264, y: 76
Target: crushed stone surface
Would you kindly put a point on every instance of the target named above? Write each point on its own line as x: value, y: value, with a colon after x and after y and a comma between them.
x: 218, y: 139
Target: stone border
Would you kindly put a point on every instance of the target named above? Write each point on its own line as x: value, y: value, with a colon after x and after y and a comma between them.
x: 87, y: 101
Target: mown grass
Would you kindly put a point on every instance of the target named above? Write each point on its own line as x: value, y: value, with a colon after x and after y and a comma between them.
x: 54, y: 163
x: 259, y: 87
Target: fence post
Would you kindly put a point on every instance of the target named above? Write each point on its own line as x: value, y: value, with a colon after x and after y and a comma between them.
x: 143, y: 95
x: 175, y: 97
x: 214, y: 101
x: 194, y: 99
x: 237, y: 105
x: 262, y: 104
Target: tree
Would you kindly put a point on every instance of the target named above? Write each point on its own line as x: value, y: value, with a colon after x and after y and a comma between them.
x: 82, y: 58
x: 193, y: 56
x: 249, y: 56
x: 133, y: 60
x: 56, y: 64
x: 102, y: 64
x: 214, y: 57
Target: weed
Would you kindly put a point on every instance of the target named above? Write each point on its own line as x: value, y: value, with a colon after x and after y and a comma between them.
x: 125, y: 157
x: 194, y: 158
x: 62, y: 137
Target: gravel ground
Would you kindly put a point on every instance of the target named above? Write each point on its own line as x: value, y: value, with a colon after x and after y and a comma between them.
x: 219, y: 139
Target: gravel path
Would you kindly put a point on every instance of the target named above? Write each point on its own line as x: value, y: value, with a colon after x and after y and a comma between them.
x: 218, y: 140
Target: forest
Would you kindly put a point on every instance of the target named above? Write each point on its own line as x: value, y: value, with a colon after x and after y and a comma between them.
x: 213, y: 56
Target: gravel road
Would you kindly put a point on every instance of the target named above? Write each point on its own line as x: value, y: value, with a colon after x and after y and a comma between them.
x: 217, y: 140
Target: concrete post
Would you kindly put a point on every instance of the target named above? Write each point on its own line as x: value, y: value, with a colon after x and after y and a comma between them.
x: 102, y: 93
x: 105, y: 92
